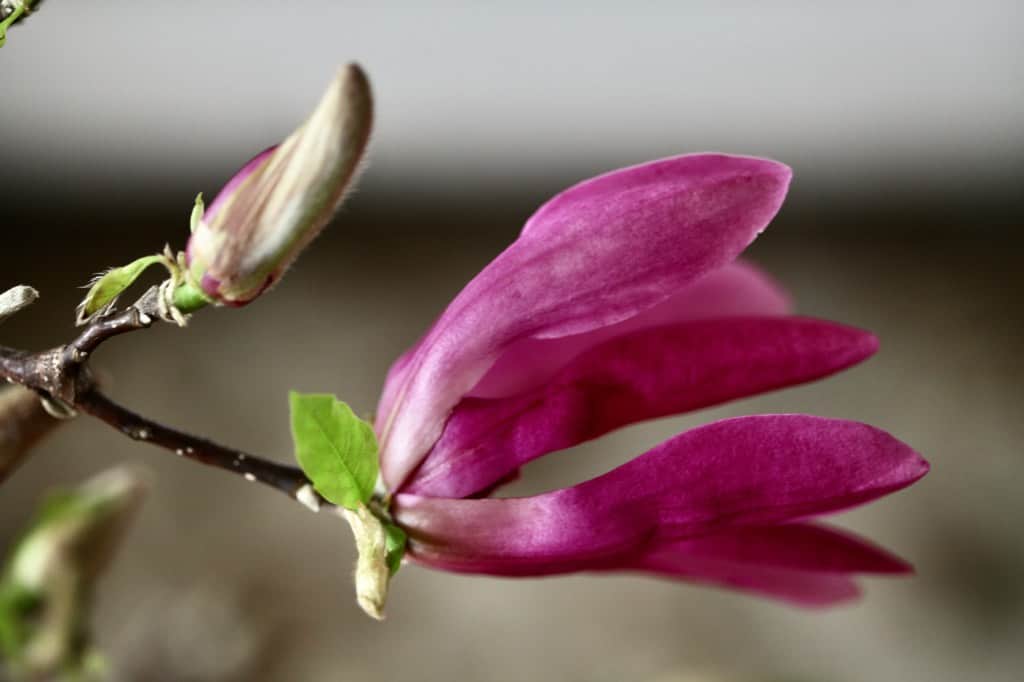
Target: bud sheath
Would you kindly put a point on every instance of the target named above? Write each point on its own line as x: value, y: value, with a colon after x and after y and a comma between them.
x: 279, y: 201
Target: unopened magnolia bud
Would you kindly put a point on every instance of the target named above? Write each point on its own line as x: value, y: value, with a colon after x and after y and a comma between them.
x: 279, y: 201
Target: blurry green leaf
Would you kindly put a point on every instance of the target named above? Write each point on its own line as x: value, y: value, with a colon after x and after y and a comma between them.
x: 48, y: 580
x: 105, y: 289
x: 17, y: 606
x: 336, y: 449
x: 395, y: 545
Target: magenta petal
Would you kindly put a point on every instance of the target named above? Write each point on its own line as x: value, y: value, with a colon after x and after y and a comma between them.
x: 393, y: 383
x: 800, y: 546
x: 734, y: 290
x: 748, y: 471
x: 801, y: 588
x: 597, y: 254
x: 643, y: 375
x: 237, y: 179
x: 802, y: 563
x: 738, y: 289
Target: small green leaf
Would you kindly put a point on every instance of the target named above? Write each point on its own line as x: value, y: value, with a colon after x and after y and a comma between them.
x: 395, y: 545
x: 336, y: 449
x: 105, y: 289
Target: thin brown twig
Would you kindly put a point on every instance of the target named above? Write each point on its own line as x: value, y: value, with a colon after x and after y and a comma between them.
x: 62, y: 374
x: 289, y: 480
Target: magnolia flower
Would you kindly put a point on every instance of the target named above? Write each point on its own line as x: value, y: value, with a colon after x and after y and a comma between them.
x: 280, y: 200
x: 622, y: 301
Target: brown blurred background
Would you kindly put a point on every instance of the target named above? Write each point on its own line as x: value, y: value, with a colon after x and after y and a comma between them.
x: 902, y: 123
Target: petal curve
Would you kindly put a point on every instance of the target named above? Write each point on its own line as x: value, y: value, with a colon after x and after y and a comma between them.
x: 738, y: 289
x: 595, y: 255
x: 747, y: 471
x: 647, y: 374
x: 806, y: 564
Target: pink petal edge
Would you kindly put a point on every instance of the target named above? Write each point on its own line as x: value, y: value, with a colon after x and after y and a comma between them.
x: 237, y: 179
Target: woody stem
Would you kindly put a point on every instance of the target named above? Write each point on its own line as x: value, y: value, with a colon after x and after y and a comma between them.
x: 62, y: 374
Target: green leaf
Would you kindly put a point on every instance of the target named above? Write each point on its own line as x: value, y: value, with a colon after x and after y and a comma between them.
x: 336, y: 449
x: 395, y: 541
x: 105, y: 289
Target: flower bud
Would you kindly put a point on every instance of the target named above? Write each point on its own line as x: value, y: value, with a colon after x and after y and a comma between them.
x: 280, y: 200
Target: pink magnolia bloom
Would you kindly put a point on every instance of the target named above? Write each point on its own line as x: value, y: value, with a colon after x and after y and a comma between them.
x: 621, y: 301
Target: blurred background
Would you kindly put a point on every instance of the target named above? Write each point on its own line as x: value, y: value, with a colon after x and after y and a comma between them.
x: 902, y: 121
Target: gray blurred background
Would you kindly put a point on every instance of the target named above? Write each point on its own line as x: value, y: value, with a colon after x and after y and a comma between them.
x: 902, y: 121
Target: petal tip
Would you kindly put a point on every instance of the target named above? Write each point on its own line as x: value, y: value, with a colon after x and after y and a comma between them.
x: 921, y: 467
x: 782, y: 176
x: 353, y: 83
x: 776, y: 171
x: 861, y: 344
x: 910, y: 468
x: 784, y: 173
x: 870, y: 343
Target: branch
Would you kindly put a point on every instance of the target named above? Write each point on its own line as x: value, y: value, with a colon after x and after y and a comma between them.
x: 62, y: 375
x: 289, y: 480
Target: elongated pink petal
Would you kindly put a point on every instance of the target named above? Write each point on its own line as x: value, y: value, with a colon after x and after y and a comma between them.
x: 595, y: 255
x: 800, y: 546
x: 800, y: 588
x: 734, y: 290
x: 646, y: 374
x: 748, y: 471
x: 802, y: 563
x: 738, y: 289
